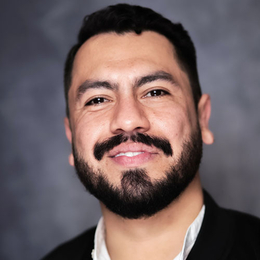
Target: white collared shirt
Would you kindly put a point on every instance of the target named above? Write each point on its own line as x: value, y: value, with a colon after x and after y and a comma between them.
x: 100, y: 250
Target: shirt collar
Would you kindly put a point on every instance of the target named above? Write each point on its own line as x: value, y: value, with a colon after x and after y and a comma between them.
x: 100, y: 250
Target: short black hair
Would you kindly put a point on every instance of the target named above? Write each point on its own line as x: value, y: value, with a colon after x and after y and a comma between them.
x: 125, y: 18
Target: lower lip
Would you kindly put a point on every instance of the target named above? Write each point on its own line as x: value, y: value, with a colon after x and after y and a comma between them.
x: 133, y: 161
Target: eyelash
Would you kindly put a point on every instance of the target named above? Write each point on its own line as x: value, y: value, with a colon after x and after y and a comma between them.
x: 154, y: 93
x: 96, y: 101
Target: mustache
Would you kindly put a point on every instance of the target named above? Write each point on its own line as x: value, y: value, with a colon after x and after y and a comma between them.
x: 162, y: 144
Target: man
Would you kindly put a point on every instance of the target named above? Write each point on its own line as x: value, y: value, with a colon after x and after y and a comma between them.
x: 136, y: 120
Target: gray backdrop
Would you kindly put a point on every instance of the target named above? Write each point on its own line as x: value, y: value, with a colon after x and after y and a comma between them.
x: 42, y: 201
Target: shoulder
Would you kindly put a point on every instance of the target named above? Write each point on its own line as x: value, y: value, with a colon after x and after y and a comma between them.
x: 79, y: 247
x: 244, y: 220
x: 246, y: 228
x: 237, y: 222
x: 229, y: 233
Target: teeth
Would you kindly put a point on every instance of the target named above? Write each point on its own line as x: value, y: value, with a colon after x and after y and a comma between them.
x: 129, y: 154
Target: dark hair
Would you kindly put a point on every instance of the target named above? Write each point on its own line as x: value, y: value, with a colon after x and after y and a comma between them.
x: 124, y: 18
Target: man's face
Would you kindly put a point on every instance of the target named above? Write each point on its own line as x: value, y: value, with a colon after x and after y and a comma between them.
x: 122, y: 86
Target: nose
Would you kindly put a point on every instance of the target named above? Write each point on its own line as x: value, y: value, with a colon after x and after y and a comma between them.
x: 129, y: 118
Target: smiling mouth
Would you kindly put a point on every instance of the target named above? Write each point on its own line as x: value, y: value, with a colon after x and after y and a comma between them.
x: 131, y: 154
x: 133, y: 158
x: 128, y: 154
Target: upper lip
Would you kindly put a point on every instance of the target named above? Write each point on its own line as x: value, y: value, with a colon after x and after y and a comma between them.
x: 132, y: 147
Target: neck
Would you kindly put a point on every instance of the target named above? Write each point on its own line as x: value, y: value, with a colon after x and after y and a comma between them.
x: 160, y: 236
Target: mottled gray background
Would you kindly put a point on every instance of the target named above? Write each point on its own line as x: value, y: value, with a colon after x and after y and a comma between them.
x: 42, y: 201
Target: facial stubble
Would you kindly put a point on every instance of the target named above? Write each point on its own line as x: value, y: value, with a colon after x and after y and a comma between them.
x: 139, y: 196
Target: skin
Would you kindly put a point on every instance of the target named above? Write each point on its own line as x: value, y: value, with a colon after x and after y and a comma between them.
x: 159, y: 107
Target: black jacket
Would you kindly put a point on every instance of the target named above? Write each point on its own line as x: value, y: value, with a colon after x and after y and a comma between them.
x: 224, y: 235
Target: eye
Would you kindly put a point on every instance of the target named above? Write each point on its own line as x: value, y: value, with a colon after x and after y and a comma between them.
x: 96, y: 101
x: 156, y: 93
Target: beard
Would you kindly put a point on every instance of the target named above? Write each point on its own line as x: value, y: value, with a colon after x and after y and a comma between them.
x: 139, y: 196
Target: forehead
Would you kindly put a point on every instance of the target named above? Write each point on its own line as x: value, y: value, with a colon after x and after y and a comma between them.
x: 127, y: 55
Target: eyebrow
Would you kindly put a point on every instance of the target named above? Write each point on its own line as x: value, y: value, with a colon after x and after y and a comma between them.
x: 158, y: 75
x: 90, y: 84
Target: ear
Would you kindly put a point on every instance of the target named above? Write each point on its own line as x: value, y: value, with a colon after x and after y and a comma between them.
x: 204, y: 110
x: 69, y: 136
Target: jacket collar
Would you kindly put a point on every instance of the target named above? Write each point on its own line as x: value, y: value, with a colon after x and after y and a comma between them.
x: 214, y: 239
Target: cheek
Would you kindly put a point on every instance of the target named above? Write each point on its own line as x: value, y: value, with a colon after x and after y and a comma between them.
x: 87, y: 134
x: 172, y: 123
